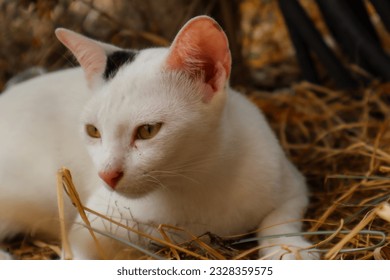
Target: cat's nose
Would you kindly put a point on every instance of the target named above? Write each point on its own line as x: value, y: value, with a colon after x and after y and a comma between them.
x: 111, y: 177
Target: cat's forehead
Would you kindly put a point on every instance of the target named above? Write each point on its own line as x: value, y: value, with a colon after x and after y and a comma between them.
x: 134, y: 73
x: 129, y: 71
x: 142, y: 76
x: 142, y: 87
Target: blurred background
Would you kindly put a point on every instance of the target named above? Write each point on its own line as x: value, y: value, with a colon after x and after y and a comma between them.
x: 262, y: 52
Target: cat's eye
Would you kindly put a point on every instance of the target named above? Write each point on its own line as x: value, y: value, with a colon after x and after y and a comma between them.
x: 92, y: 131
x: 148, y: 131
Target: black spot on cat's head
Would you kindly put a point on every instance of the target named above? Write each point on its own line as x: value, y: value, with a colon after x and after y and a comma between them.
x: 116, y: 60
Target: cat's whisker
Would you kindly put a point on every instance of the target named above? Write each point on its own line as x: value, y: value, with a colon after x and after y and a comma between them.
x: 167, y: 174
x: 199, y: 166
x: 186, y: 168
x: 151, y: 179
x: 200, y: 162
x: 205, y: 159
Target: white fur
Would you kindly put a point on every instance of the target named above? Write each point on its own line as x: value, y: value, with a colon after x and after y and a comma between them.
x: 39, y: 128
x: 213, y: 166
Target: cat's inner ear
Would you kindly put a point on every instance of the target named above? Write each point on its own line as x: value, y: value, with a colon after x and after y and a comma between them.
x: 91, y: 54
x: 202, y: 50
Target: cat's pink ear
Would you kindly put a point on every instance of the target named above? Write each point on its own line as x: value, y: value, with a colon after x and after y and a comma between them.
x: 89, y: 53
x: 202, y: 50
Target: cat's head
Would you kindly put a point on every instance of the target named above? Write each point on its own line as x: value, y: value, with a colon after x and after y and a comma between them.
x: 155, y: 114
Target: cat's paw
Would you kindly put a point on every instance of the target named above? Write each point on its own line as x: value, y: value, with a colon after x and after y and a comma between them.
x: 5, y: 256
x: 288, y: 253
x: 299, y: 250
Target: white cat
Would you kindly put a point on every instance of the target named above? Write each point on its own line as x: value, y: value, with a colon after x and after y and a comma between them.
x: 171, y: 142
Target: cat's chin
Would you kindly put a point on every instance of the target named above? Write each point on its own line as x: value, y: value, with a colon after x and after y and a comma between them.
x: 133, y: 192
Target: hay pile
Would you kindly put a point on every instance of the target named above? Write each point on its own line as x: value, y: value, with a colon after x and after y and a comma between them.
x: 340, y: 140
